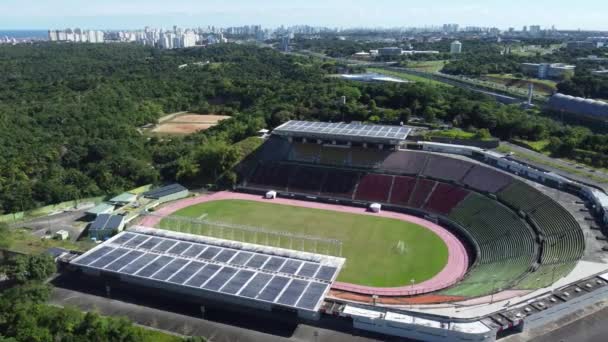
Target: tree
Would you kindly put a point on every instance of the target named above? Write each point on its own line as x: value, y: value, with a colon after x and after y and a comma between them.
x: 23, y: 268
x: 5, y: 236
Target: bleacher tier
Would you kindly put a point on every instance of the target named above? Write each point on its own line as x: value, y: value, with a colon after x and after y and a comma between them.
x: 339, y: 183
x: 367, y: 158
x: 484, y: 179
x: 271, y: 175
x: 507, y: 247
x: 306, y: 179
x: 374, y: 188
x: 334, y: 156
x: 422, y: 189
x: 446, y: 169
x: 305, y: 153
x: 405, y: 162
x: 444, y: 198
x: 402, y: 190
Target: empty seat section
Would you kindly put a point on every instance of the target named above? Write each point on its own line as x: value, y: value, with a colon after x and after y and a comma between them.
x: 402, y: 190
x: 405, y: 162
x: 484, y: 179
x: 374, y: 188
x: 334, y: 156
x: 447, y: 169
x: 305, y: 152
x: 522, y: 196
x: 307, y: 179
x: 367, y: 158
x: 545, y: 275
x: 421, y: 191
x: 445, y: 197
x: 340, y: 183
x: 551, y: 218
x: 271, y: 175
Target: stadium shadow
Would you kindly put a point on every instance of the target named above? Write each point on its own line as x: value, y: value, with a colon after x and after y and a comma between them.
x: 277, y: 324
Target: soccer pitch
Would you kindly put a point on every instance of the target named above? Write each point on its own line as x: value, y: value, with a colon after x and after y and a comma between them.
x: 380, y: 252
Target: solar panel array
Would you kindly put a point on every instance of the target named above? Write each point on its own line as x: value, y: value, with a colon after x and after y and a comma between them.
x: 352, y: 130
x: 107, y: 221
x: 253, y: 275
x: 165, y: 190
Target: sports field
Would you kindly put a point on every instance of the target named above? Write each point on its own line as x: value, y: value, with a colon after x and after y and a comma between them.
x: 371, y: 245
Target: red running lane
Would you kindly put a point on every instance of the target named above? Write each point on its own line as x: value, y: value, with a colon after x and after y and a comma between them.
x: 454, y: 270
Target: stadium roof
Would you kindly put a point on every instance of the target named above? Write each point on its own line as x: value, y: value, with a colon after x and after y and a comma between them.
x: 579, y: 105
x: 282, y: 277
x: 165, y: 191
x: 107, y: 221
x: 390, y: 135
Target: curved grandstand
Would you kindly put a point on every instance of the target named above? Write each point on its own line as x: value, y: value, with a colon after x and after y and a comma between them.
x: 518, y: 237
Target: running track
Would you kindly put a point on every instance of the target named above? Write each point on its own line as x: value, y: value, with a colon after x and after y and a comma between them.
x: 453, y: 271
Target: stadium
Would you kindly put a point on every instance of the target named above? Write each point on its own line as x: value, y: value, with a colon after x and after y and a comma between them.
x: 412, y: 239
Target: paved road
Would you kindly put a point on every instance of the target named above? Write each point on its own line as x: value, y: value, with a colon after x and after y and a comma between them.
x: 67, y: 220
x: 592, y: 328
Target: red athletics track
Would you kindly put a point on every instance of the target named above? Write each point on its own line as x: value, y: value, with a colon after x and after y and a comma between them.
x: 453, y: 271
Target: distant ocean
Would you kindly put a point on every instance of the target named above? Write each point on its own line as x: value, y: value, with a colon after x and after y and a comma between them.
x: 25, y: 34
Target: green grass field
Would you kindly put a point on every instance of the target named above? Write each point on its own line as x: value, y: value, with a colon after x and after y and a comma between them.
x: 369, y: 243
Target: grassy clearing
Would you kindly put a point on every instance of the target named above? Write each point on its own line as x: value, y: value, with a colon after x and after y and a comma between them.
x: 406, y: 76
x: 546, y: 87
x: 22, y: 241
x: 369, y: 243
x: 427, y: 66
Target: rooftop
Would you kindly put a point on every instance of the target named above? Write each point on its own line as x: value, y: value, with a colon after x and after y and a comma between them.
x: 125, y: 197
x: 283, y: 277
x: 101, y: 208
x: 391, y: 135
x: 107, y: 221
x: 165, y: 191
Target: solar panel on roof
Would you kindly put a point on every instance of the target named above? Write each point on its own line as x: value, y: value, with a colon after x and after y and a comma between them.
x: 273, y: 288
x: 210, y: 252
x: 225, y: 255
x: 256, y: 285
x: 124, y: 260
x: 203, y: 275
x: 139, y: 263
x: 186, y: 272
x: 326, y: 273
x: 220, y: 278
x: 137, y: 254
x: 293, y: 292
x: 108, y: 258
x: 154, y: 266
x: 308, y: 270
x: 170, y: 269
x: 274, y: 264
x: 179, y: 248
x: 290, y: 266
x: 164, y: 246
x: 193, y: 251
x: 311, y: 296
x: 351, y: 130
x: 87, y: 259
x: 235, y: 284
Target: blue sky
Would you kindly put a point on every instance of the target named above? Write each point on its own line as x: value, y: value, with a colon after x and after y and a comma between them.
x: 109, y: 14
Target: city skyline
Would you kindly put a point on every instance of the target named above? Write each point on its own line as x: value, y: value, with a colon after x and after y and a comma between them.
x: 114, y: 14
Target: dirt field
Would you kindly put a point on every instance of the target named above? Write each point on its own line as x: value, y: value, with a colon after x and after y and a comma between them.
x: 187, y: 123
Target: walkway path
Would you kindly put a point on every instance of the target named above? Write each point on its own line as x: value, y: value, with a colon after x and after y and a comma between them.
x: 453, y: 271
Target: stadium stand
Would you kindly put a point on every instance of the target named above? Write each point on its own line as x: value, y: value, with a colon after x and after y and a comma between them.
x: 522, y: 196
x: 367, y: 158
x: 402, y: 190
x: 306, y: 179
x: 340, y: 183
x: 484, y: 179
x: 446, y: 169
x: 405, y: 162
x: 374, y: 188
x: 272, y: 175
x: 444, y: 198
x: 507, y: 245
x: 334, y: 156
x: 421, y: 192
x: 306, y: 153
x: 545, y: 275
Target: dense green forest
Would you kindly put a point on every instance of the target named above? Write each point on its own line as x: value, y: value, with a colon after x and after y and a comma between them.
x: 69, y: 113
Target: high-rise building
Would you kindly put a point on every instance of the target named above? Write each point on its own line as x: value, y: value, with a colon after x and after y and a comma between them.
x: 456, y: 47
